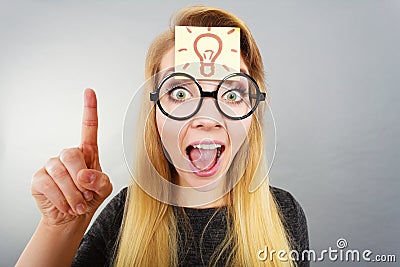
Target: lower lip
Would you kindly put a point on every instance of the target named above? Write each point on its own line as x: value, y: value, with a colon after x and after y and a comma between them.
x: 209, y: 172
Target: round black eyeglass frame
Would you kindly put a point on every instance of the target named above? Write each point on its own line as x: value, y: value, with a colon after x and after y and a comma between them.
x: 155, y: 96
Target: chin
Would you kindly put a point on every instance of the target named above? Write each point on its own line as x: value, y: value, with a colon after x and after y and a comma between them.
x: 203, y: 182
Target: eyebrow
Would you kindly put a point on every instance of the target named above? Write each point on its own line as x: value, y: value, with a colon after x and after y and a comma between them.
x: 170, y: 70
x: 244, y: 71
x: 164, y: 73
x: 167, y: 71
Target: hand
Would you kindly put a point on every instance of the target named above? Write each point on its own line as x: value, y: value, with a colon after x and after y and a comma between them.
x: 73, y: 185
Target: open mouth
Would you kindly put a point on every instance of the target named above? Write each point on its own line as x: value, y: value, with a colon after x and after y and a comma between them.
x: 205, y: 157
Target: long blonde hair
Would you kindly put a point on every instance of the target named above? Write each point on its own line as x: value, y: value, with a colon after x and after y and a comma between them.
x: 148, y: 235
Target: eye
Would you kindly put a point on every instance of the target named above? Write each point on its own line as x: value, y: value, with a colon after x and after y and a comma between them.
x: 232, y: 96
x: 180, y: 94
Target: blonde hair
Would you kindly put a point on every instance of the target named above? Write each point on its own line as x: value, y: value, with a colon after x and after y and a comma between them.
x: 149, y: 235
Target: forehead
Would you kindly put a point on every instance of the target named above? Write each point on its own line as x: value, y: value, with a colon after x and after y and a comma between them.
x: 168, y: 61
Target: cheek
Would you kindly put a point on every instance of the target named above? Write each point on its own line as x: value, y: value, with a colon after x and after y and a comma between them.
x: 160, y: 121
x: 166, y: 129
x: 169, y: 132
x: 238, y: 131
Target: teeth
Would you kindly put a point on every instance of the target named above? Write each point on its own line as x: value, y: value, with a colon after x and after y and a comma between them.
x: 207, y: 146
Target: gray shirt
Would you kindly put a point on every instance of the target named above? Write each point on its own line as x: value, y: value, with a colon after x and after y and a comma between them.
x: 195, y: 247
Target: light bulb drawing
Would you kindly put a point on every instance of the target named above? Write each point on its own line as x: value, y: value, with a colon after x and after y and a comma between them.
x: 207, y: 52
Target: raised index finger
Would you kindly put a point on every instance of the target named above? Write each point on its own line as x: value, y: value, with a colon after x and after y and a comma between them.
x: 89, y: 120
x: 89, y: 129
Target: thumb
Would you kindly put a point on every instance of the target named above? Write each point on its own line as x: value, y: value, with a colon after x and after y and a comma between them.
x: 95, y: 181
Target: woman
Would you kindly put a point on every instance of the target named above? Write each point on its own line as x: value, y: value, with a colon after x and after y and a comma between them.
x: 137, y: 229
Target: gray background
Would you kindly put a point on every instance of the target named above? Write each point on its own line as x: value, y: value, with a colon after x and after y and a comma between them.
x: 333, y: 69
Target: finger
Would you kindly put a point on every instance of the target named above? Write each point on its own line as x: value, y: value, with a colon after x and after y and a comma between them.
x: 89, y: 120
x: 63, y: 180
x: 89, y: 130
x: 43, y: 186
x: 73, y: 160
x: 96, y: 181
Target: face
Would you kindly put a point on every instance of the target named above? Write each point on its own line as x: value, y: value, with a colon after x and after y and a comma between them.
x: 202, y: 147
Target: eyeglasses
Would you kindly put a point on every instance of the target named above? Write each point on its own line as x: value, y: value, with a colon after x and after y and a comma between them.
x: 180, y: 96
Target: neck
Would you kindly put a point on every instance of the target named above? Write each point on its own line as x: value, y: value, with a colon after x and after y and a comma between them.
x: 216, y: 204
x: 213, y: 195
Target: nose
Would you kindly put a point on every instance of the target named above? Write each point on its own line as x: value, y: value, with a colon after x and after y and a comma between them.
x: 208, y: 117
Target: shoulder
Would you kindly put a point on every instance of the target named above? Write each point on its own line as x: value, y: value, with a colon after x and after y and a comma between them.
x: 293, y: 217
x: 119, y: 199
x: 114, y: 207
x: 97, y: 246
x: 114, y: 210
x: 286, y: 201
x: 111, y: 215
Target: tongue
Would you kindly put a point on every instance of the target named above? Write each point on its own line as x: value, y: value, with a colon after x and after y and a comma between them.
x: 203, y: 159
